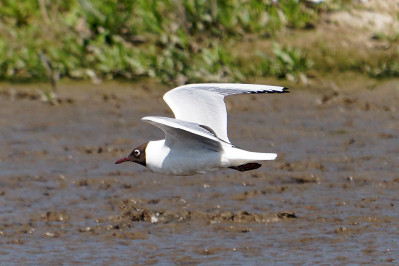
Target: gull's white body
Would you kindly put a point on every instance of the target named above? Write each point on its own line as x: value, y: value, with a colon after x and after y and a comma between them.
x: 196, y: 140
x: 161, y: 159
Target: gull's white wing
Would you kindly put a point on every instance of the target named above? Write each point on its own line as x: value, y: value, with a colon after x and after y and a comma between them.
x: 203, y: 104
x: 185, y: 134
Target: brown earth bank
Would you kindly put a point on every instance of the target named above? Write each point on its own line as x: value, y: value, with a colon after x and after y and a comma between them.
x: 330, y: 197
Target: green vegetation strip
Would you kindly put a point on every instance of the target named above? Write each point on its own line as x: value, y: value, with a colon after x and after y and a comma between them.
x: 174, y: 41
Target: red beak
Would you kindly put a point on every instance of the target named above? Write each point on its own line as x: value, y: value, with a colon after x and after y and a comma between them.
x: 126, y: 159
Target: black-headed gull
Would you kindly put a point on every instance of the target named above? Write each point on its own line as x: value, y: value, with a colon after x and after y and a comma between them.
x: 196, y: 140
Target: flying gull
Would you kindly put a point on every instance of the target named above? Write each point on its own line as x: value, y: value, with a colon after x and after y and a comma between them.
x: 196, y: 139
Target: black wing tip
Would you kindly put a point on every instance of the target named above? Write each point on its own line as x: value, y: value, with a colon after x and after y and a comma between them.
x: 284, y: 90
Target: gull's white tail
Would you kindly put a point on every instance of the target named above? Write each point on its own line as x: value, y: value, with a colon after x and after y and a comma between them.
x: 242, y: 160
x: 259, y: 156
x: 235, y: 156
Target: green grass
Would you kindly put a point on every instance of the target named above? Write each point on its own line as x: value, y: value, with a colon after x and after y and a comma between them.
x: 174, y: 41
x: 284, y: 63
x: 386, y: 68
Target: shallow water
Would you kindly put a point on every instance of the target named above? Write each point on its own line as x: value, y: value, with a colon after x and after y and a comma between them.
x: 330, y: 197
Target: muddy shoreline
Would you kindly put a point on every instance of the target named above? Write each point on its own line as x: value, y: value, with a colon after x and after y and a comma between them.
x: 331, y: 196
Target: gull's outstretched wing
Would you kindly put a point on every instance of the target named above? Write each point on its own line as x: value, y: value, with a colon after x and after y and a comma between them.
x: 185, y: 134
x: 203, y: 104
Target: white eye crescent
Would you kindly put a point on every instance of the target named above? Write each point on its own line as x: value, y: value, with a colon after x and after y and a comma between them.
x: 136, y: 153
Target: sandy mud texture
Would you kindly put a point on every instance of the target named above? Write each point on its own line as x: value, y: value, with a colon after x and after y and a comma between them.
x: 331, y: 196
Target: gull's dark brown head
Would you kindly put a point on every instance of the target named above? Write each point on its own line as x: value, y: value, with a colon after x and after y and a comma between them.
x: 136, y: 156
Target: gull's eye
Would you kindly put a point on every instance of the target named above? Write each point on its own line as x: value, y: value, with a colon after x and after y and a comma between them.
x: 136, y: 153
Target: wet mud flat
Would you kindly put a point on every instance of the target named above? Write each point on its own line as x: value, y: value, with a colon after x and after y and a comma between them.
x: 330, y: 197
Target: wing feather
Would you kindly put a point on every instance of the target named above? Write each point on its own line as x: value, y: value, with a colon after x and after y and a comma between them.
x: 185, y: 134
x: 203, y: 104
